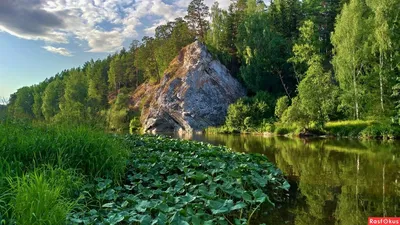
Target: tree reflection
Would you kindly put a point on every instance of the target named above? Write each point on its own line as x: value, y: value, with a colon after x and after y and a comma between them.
x: 338, y: 181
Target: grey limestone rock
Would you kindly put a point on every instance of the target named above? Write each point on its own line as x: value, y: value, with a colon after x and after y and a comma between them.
x: 194, y: 93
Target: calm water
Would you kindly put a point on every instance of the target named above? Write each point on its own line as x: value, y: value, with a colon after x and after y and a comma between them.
x: 334, y: 181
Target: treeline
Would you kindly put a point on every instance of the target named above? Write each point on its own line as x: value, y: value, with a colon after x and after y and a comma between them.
x: 98, y: 91
x: 329, y: 59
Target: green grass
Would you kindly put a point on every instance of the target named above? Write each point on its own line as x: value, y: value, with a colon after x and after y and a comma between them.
x: 91, y: 152
x: 32, y: 194
x: 362, y: 129
x: 39, y: 196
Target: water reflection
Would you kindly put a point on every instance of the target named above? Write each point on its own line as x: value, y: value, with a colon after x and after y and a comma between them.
x: 334, y: 181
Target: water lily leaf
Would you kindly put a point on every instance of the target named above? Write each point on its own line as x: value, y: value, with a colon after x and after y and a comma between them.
x: 142, y: 206
x: 124, y: 204
x: 75, y: 220
x: 162, y: 219
x: 163, y: 207
x: 259, y: 196
x: 108, y: 205
x: 110, y: 194
x: 239, y: 205
x: 145, y: 220
x: 220, y: 206
x: 209, y: 222
x: 196, y: 220
x: 247, y: 197
x: 115, y: 218
x: 187, y: 198
x: 178, y: 219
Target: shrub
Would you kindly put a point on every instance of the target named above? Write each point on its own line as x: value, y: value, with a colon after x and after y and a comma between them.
x: 134, y: 125
x: 281, y: 131
x: 281, y: 106
x: 255, y: 109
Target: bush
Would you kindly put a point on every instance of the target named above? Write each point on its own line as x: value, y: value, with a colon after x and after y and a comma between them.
x: 282, y: 131
x: 134, y: 125
x: 249, y: 113
x: 381, y: 131
x: 281, y: 106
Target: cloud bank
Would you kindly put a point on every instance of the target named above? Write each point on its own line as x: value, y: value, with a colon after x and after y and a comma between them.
x: 104, y: 25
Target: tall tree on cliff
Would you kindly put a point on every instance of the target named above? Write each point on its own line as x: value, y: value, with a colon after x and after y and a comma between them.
x: 197, y: 18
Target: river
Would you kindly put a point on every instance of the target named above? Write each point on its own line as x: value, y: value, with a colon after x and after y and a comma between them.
x: 333, y: 181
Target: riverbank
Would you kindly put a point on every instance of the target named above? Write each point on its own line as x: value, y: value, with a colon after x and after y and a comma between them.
x: 78, y: 176
x: 349, y: 129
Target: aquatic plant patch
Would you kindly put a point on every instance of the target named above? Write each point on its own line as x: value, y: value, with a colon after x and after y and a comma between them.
x: 183, y: 182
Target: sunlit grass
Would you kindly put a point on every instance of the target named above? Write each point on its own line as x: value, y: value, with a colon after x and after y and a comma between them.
x: 91, y: 152
x: 41, y: 196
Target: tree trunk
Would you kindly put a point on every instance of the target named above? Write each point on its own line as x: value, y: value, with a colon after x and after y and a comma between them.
x: 283, y: 84
x: 381, y: 78
x: 355, y: 94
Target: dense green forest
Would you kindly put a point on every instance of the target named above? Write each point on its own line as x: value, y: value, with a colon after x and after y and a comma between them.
x: 303, y: 62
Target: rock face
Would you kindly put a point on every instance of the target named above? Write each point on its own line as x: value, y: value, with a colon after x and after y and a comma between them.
x: 193, y: 94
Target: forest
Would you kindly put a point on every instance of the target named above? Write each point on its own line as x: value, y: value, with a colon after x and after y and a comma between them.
x: 303, y: 62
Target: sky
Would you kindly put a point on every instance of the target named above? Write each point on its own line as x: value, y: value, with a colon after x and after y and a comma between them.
x: 39, y: 38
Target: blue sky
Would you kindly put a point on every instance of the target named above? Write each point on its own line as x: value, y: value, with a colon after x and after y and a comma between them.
x: 39, y: 38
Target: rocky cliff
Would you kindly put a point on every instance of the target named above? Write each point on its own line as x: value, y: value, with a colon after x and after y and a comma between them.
x: 193, y: 94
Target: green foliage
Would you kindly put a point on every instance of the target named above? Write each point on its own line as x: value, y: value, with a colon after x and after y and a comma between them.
x: 134, y: 125
x: 282, y: 104
x: 73, y: 105
x: 264, y: 54
x: 351, y: 48
x: 295, y: 114
x: 51, y: 99
x: 249, y: 112
x: 285, y: 17
x: 306, y: 47
x: 39, y: 197
x: 21, y: 103
x: 347, y: 128
x: 88, y: 151
x: 317, y: 93
x: 118, y: 116
x: 197, y: 17
x: 184, y: 182
x: 3, y: 112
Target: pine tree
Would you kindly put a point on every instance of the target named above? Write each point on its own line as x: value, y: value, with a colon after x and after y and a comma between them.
x: 197, y: 16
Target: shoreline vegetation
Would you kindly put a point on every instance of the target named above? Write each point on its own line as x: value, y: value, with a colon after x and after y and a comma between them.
x: 337, y: 129
x: 78, y: 175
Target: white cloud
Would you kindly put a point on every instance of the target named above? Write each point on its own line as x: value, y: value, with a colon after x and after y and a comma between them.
x: 60, y: 51
x: 59, y: 21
